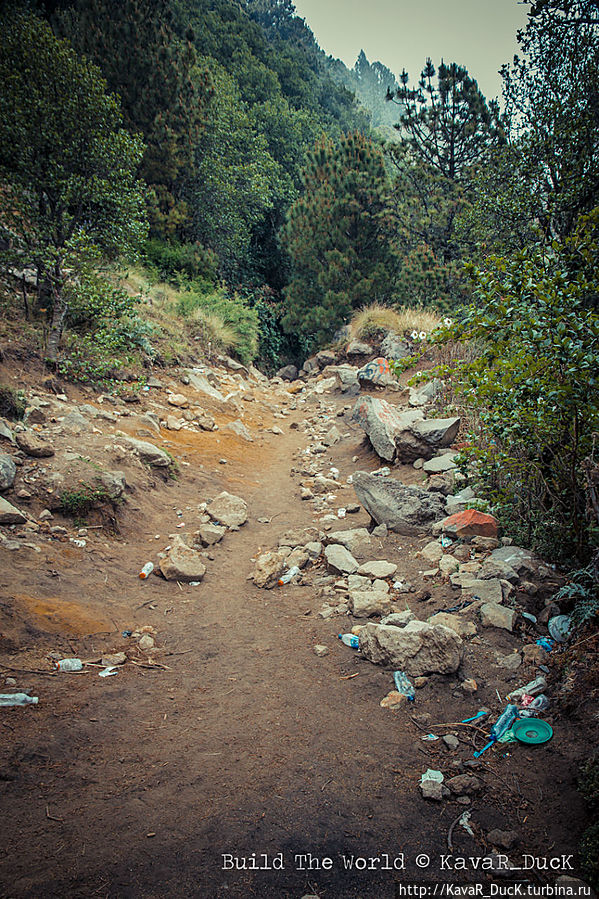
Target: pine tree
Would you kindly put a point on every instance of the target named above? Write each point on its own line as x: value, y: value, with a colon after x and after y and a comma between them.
x: 339, y: 236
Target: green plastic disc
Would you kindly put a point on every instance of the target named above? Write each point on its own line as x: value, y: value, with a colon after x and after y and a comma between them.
x: 532, y: 730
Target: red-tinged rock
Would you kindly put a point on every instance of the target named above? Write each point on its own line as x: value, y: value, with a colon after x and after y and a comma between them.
x: 471, y: 523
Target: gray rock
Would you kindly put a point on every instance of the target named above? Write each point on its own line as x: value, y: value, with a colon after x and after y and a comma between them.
x: 380, y: 569
x: 181, y: 563
x: 465, y: 784
x: 8, y: 471
x: 456, y: 623
x: 505, y: 839
x: 493, y: 568
x: 288, y: 373
x: 147, y: 452
x: 199, y: 382
x: 230, y: 510
x: 383, y: 423
x: 418, y: 649
x: 339, y: 559
x: 359, y: 348
x: 34, y: 445
x: 358, y: 582
x: 325, y: 357
x: 420, y: 396
x: 377, y: 372
x: 524, y: 563
x: 399, y: 619
x: 238, y: 427
x: 6, y: 432
x: 9, y: 514
x: 351, y: 539
x: 320, y: 650
x: 451, y: 741
x: 269, y: 567
x: 394, y: 346
x: 364, y: 603
x: 203, y: 419
x: 332, y: 436
x: 405, y: 510
x: 150, y: 420
x: 34, y: 415
x: 489, y: 591
x: 492, y: 614
x: 76, y: 423
x: 432, y: 552
x: 434, y: 791
x: 440, y: 464
x: 511, y: 662
x: 113, y: 482
x: 209, y: 534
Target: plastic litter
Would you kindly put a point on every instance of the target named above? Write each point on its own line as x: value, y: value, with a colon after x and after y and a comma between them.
x: 445, y: 542
x: 529, y: 617
x: 108, y: 672
x: 559, y: 627
x: 350, y: 640
x: 535, y: 686
x: 382, y: 472
x: 69, y: 665
x: 501, y: 726
x: 465, y: 823
x: 7, y: 699
x: 482, y: 714
x: 428, y: 738
x: 539, y: 704
x: 127, y: 633
x: 431, y: 774
x: 508, y: 737
x: 146, y: 571
x: 533, y: 731
x: 289, y: 575
x: 341, y: 513
x: 546, y: 643
x: 403, y: 685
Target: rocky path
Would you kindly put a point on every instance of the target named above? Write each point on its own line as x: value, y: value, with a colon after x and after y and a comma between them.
x: 245, y: 764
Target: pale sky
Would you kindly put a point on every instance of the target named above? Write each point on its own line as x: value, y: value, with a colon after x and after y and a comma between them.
x: 478, y: 34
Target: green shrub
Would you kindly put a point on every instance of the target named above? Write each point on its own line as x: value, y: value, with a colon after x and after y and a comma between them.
x: 77, y: 504
x: 12, y: 403
x: 174, y: 262
x: 233, y: 310
x: 533, y: 387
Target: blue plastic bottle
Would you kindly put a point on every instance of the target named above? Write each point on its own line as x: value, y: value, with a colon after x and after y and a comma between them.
x: 403, y: 685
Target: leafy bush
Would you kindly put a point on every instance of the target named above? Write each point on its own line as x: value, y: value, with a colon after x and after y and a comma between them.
x: 12, y: 402
x: 534, y: 385
x: 174, y: 262
x: 233, y: 311
x: 583, y: 590
x: 77, y: 504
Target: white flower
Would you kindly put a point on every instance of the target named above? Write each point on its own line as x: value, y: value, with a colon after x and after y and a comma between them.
x: 414, y: 335
x: 422, y: 335
x: 447, y: 322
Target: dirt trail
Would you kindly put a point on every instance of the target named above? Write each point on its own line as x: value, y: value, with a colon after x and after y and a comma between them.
x: 143, y: 784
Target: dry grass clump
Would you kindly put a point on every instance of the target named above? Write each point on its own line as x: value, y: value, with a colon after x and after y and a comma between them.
x: 376, y: 318
x: 211, y: 329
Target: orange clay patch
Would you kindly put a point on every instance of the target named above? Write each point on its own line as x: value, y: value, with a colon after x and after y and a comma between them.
x: 55, y: 616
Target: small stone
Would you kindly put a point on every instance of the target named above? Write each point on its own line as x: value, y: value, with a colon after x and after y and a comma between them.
x: 465, y: 784
x: 34, y: 445
x: 469, y: 685
x: 533, y: 654
x: 433, y: 790
x: 512, y: 661
x: 146, y: 643
x: 9, y: 514
x: 493, y: 614
x: 339, y: 559
x: 45, y: 515
x: 420, y: 682
x: 10, y: 682
x: 320, y: 650
x: 177, y: 399
x: 377, y: 569
x: 451, y: 741
x: 393, y: 700
x: 116, y: 658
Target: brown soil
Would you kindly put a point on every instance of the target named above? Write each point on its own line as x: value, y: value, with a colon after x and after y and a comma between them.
x: 243, y: 741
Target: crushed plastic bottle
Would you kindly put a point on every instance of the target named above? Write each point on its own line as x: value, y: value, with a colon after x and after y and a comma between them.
x: 535, y: 686
x: 539, y: 704
x: 288, y: 576
x: 146, y: 571
x: 501, y: 726
x: 403, y: 685
x: 559, y: 627
x: 546, y: 643
x: 350, y: 640
x: 69, y: 665
x: 7, y: 699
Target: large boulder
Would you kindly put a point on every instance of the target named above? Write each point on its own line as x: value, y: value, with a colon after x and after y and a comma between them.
x: 405, y: 510
x: 288, y: 373
x: 34, y: 445
x: 378, y: 372
x: 230, y: 510
x: 181, y: 563
x: 383, y: 423
x: 418, y: 648
x: 8, y: 471
x: 523, y: 562
x: 9, y: 514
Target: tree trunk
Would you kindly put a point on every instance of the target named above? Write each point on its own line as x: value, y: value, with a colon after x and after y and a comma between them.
x: 59, y: 311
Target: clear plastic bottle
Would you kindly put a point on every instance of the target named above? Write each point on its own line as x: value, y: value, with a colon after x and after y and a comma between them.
x: 289, y: 575
x: 403, y: 685
x: 17, y: 699
x: 504, y: 722
x: 69, y: 665
x: 146, y: 571
x: 350, y: 640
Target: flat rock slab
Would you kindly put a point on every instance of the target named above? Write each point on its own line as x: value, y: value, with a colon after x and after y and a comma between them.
x: 439, y: 464
x: 181, y: 563
x: 380, y: 569
x: 492, y: 614
x: 350, y: 539
x: 457, y: 623
x: 9, y: 514
x: 147, y: 452
x: 470, y: 523
x: 230, y: 510
x: 339, y: 559
x: 405, y: 510
x: 364, y: 603
x: 418, y: 648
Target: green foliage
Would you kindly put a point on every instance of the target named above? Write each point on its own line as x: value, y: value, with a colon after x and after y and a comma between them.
x: 534, y: 386
x: 583, y: 591
x: 66, y: 164
x: 339, y: 237
x: 77, y: 504
x: 176, y: 263
x: 12, y: 403
x: 233, y: 310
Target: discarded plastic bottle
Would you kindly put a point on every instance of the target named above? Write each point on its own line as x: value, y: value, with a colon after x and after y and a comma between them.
x: 289, y: 575
x: 535, y: 686
x: 69, y: 665
x: 501, y: 726
x: 146, y: 571
x: 17, y: 699
x: 538, y: 704
x: 350, y: 640
x: 403, y: 685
